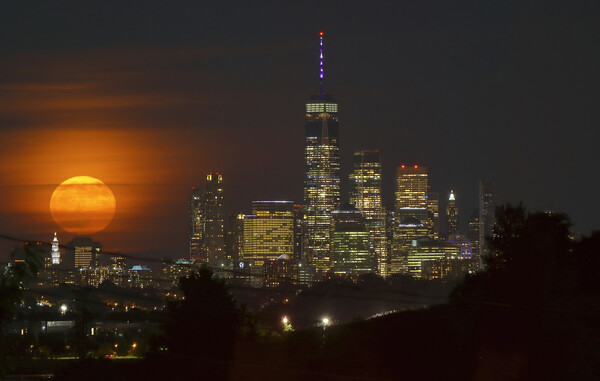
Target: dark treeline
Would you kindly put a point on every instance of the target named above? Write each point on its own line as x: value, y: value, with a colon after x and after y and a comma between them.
x: 534, y: 313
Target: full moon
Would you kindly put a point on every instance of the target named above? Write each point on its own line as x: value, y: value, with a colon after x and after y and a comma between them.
x: 82, y: 205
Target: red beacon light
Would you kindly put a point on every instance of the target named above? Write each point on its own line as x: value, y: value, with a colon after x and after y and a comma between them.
x: 402, y: 166
x: 321, y: 34
x: 416, y: 166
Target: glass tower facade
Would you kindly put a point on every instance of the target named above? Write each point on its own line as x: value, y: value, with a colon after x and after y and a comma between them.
x: 351, y: 249
x: 322, y: 178
x: 486, y: 215
x: 411, y: 213
x: 321, y: 172
x: 268, y: 232
x: 366, y: 197
x: 197, y: 220
x: 411, y: 188
x: 433, y: 213
x: 214, y: 240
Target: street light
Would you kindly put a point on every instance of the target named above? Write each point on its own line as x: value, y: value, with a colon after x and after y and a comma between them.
x: 284, y: 320
x: 63, y: 309
x: 325, y: 322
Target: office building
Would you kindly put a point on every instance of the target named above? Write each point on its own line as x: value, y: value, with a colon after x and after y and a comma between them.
x: 447, y: 268
x: 322, y: 172
x: 412, y: 191
x: 141, y: 277
x: 234, y: 237
x: 366, y: 197
x: 351, y: 249
x: 83, y: 252
x: 411, y: 213
x: 406, y: 233
x: 299, y: 216
x: 214, y: 233
x: 452, y: 216
x: 486, y: 215
x: 424, y: 250
x: 268, y: 232
x: 433, y: 215
x: 172, y: 271
x: 280, y: 271
x: 473, y: 234
x: 197, y: 220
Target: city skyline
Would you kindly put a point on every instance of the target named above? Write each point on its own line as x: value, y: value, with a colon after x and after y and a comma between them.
x: 151, y: 119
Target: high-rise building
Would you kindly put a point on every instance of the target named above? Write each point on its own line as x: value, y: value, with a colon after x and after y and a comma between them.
x: 452, y: 216
x: 197, y: 220
x: 486, y: 215
x: 298, y: 231
x: 411, y: 192
x: 473, y: 234
x: 214, y: 233
x: 268, y: 232
x: 351, y: 249
x: 366, y: 197
x: 234, y: 236
x: 118, y: 261
x: 433, y: 215
x: 322, y: 173
x: 424, y: 250
x: 85, y: 252
x: 406, y: 233
x: 55, y: 253
x: 411, y: 213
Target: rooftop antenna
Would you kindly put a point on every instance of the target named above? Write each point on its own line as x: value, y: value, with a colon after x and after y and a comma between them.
x: 321, y: 72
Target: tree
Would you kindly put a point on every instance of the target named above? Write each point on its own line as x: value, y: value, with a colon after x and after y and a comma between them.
x: 12, y: 283
x: 201, y: 329
x: 530, y: 247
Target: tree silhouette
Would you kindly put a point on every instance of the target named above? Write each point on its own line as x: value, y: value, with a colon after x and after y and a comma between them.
x: 12, y: 282
x: 201, y: 329
x: 528, y: 309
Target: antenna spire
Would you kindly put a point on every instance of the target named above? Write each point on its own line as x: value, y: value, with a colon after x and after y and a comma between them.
x: 321, y: 71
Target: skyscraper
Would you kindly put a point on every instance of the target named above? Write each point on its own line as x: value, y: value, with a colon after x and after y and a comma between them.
x: 366, y: 197
x: 351, y: 250
x: 473, y: 234
x: 322, y: 172
x: 433, y: 215
x: 268, y: 232
x: 486, y: 215
x: 406, y: 233
x: 234, y: 236
x: 452, y: 216
x: 298, y: 232
x: 411, y: 213
x: 55, y: 253
x: 214, y: 239
x: 85, y: 252
x: 411, y: 192
x: 197, y: 219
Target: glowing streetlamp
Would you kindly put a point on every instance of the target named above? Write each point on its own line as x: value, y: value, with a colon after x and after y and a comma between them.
x: 325, y: 322
x: 63, y: 309
x: 287, y: 325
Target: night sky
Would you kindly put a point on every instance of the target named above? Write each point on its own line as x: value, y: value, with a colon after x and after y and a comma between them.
x: 151, y: 97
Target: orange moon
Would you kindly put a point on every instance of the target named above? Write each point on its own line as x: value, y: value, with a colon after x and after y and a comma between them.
x: 82, y: 205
